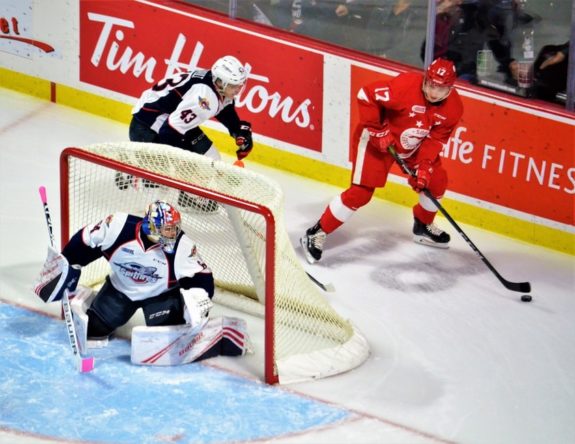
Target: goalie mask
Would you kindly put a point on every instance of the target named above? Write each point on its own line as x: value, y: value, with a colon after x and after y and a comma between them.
x: 162, y: 223
x: 231, y: 75
x: 439, y: 80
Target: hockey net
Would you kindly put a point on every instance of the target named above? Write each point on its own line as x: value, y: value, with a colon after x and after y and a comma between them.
x: 235, y: 216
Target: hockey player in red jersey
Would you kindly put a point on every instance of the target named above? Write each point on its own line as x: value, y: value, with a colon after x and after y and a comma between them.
x: 416, y: 114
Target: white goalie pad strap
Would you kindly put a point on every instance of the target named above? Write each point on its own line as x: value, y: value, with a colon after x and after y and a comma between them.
x: 56, y: 276
x: 183, y: 344
x: 197, y: 306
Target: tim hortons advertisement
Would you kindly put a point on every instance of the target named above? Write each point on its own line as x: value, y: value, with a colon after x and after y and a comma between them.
x: 526, y: 163
x: 127, y: 46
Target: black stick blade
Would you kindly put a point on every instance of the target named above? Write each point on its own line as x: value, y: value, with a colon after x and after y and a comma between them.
x: 521, y: 287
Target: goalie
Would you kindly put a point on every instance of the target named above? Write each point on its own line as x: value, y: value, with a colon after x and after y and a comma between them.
x: 155, y: 266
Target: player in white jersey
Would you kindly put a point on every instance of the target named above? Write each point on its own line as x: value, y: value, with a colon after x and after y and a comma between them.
x: 154, y: 266
x: 172, y: 110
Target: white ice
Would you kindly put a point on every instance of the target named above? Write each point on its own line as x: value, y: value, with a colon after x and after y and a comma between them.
x: 455, y: 357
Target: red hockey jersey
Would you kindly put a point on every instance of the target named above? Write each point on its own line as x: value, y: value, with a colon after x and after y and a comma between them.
x: 420, y: 128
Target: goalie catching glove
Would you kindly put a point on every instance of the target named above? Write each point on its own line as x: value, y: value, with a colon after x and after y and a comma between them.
x: 197, y: 306
x: 244, y: 139
x: 56, y: 276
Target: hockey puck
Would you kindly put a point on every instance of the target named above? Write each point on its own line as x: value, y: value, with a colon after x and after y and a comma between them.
x: 526, y: 298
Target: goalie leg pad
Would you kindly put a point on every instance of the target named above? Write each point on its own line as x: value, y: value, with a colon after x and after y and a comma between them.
x: 79, y: 304
x: 57, y: 275
x: 183, y: 344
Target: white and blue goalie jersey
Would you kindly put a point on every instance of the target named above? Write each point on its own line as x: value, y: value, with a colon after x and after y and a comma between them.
x: 140, y: 268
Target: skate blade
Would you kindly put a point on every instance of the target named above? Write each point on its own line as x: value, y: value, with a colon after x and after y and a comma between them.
x: 424, y: 240
x: 306, y: 253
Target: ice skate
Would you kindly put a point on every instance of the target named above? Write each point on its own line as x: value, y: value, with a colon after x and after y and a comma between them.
x: 430, y: 235
x: 197, y: 203
x: 122, y: 180
x: 125, y: 181
x: 312, y: 243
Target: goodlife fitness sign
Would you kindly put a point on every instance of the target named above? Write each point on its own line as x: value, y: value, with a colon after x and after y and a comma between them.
x: 127, y: 46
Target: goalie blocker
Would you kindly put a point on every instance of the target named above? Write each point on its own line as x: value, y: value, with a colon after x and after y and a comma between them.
x: 56, y: 276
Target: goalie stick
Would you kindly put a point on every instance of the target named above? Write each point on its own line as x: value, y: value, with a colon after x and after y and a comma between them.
x: 83, y: 363
x: 522, y: 287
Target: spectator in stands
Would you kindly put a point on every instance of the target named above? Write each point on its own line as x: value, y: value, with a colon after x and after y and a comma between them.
x: 390, y: 27
x: 321, y: 19
x: 550, y: 71
x: 458, y: 35
x: 463, y: 27
x: 498, y: 18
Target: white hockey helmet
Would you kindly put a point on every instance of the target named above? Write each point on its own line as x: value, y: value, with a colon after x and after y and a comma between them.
x: 229, y: 71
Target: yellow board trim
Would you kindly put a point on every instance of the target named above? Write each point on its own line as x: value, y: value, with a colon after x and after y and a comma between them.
x: 33, y: 86
x: 492, y: 221
x: 94, y: 104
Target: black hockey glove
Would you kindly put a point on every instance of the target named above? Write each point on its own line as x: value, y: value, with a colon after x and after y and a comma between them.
x: 244, y: 139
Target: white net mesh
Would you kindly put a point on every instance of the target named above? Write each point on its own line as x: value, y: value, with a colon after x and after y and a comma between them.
x: 310, y: 339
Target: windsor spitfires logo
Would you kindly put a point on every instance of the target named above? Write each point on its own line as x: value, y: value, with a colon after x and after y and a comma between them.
x: 204, y: 103
x: 138, y: 273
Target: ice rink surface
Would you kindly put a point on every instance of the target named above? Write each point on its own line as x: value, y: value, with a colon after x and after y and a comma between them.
x: 455, y: 357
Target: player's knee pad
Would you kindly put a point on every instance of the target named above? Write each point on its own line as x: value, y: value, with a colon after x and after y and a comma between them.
x: 356, y: 196
x: 438, y: 182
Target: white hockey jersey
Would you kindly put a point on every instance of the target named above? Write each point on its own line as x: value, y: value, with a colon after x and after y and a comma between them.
x: 140, y: 268
x: 176, y: 106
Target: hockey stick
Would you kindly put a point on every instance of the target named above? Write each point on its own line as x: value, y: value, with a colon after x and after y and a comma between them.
x: 522, y: 287
x: 83, y: 363
x: 325, y: 287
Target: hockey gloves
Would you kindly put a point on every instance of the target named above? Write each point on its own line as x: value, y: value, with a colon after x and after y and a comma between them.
x: 56, y: 277
x: 197, y: 306
x: 380, y: 138
x: 422, y: 176
x: 244, y: 140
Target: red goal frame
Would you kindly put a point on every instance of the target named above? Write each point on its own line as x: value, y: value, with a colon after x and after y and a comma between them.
x: 270, y: 373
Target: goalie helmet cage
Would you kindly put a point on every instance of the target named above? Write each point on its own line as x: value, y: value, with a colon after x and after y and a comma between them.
x: 235, y: 217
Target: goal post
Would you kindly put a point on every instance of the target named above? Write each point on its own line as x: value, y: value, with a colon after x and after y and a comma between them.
x: 235, y: 217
